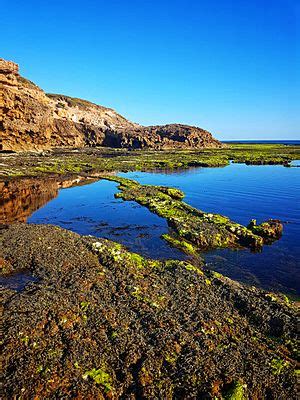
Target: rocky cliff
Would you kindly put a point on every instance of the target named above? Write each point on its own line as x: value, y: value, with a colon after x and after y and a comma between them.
x: 30, y: 119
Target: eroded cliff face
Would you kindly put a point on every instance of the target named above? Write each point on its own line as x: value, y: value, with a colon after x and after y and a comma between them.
x: 30, y: 119
x: 26, y: 120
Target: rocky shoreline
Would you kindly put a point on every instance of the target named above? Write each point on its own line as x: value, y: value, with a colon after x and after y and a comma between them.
x: 98, y: 321
x: 86, y: 161
x: 101, y: 322
x: 193, y: 230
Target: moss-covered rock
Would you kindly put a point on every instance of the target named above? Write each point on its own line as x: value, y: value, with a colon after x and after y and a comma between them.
x: 270, y: 230
x: 193, y: 230
x: 95, y: 160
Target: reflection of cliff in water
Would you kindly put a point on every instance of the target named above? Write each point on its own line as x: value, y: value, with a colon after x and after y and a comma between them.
x: 20, y: 198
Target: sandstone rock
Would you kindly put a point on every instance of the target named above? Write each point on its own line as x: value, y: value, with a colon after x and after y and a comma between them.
x: 270, y: 230
x: 8, y: 72
x: 30, y: 119
x: 8, y: 67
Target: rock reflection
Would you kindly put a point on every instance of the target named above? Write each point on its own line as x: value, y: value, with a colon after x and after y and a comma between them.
x: 20, y: 198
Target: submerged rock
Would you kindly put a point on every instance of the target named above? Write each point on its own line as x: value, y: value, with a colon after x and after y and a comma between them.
x: 102, y: 322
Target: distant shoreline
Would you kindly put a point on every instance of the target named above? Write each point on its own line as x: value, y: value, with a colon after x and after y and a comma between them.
x: 287, y: 142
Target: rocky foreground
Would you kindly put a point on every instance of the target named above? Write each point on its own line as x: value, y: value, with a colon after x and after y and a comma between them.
x: 101, y: 322
x: 30, y: 119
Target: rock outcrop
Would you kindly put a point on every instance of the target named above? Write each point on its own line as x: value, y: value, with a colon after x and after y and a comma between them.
x: 30, y: 119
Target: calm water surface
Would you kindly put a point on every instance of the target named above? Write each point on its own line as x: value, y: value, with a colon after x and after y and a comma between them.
x: 93, y: 210
x: 238, y: 191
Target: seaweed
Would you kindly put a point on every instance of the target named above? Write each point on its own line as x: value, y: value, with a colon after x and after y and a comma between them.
x: 152, y: 329
x: 193, y: 230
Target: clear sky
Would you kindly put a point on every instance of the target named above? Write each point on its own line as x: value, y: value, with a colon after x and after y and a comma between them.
x: 227, y: 66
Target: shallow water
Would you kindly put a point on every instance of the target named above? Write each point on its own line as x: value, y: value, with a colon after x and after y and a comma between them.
x: 17, y: 281
x: 238, y: 191
x: 92, y: 210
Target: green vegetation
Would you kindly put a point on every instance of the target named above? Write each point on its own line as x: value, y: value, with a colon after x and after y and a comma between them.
x: 193, y: 230
x: 182, y: 245
x: 93, y: 160
x: 100, y: 377
x: 72, y: 101
x: 154, y: 329
x: 278, y: 365
x: 235, y: 392
x: 26, y: 82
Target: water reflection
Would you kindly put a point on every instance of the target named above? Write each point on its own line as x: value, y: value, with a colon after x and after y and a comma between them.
x: 19, y: 199
x: 93, y: 210
x: 17, y: 281
x: 238, y: 191
x: 244, y: 192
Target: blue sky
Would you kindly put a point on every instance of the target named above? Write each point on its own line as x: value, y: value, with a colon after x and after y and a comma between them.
x: 227, y: 66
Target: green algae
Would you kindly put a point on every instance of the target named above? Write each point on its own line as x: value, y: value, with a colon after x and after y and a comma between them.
x: 139, y: 295
x: 97, y: 160
x: 181, y: 244
x: 190, y: 267
x: 117, y: 255
x: 171, y: 358
x: 172, y: 192
x: 100, y: 377
x: 278, y: 365
x: 235, y: 392
x: 192, y: 230
x: 175, y: 330
x: 84, y: 305
x: 269, y: 230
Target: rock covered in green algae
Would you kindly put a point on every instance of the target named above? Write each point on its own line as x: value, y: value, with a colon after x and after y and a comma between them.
x: 270, y: 230
x: 194, y: 230
x: 102, y: 322
x: 95, y: 160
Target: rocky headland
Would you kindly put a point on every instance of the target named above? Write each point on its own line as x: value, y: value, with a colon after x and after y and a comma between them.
x: 31, y: 119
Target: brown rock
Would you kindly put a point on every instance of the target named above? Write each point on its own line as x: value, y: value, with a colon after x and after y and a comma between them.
x: 8, y: 67
x: 30, y: 119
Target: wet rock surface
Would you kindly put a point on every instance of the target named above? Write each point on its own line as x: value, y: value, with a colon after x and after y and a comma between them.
x: 105, y: 323
x: 269, y: 230
x: 194, y: 230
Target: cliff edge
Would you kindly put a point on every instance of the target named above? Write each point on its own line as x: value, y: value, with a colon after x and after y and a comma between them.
x: 30, y: 119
